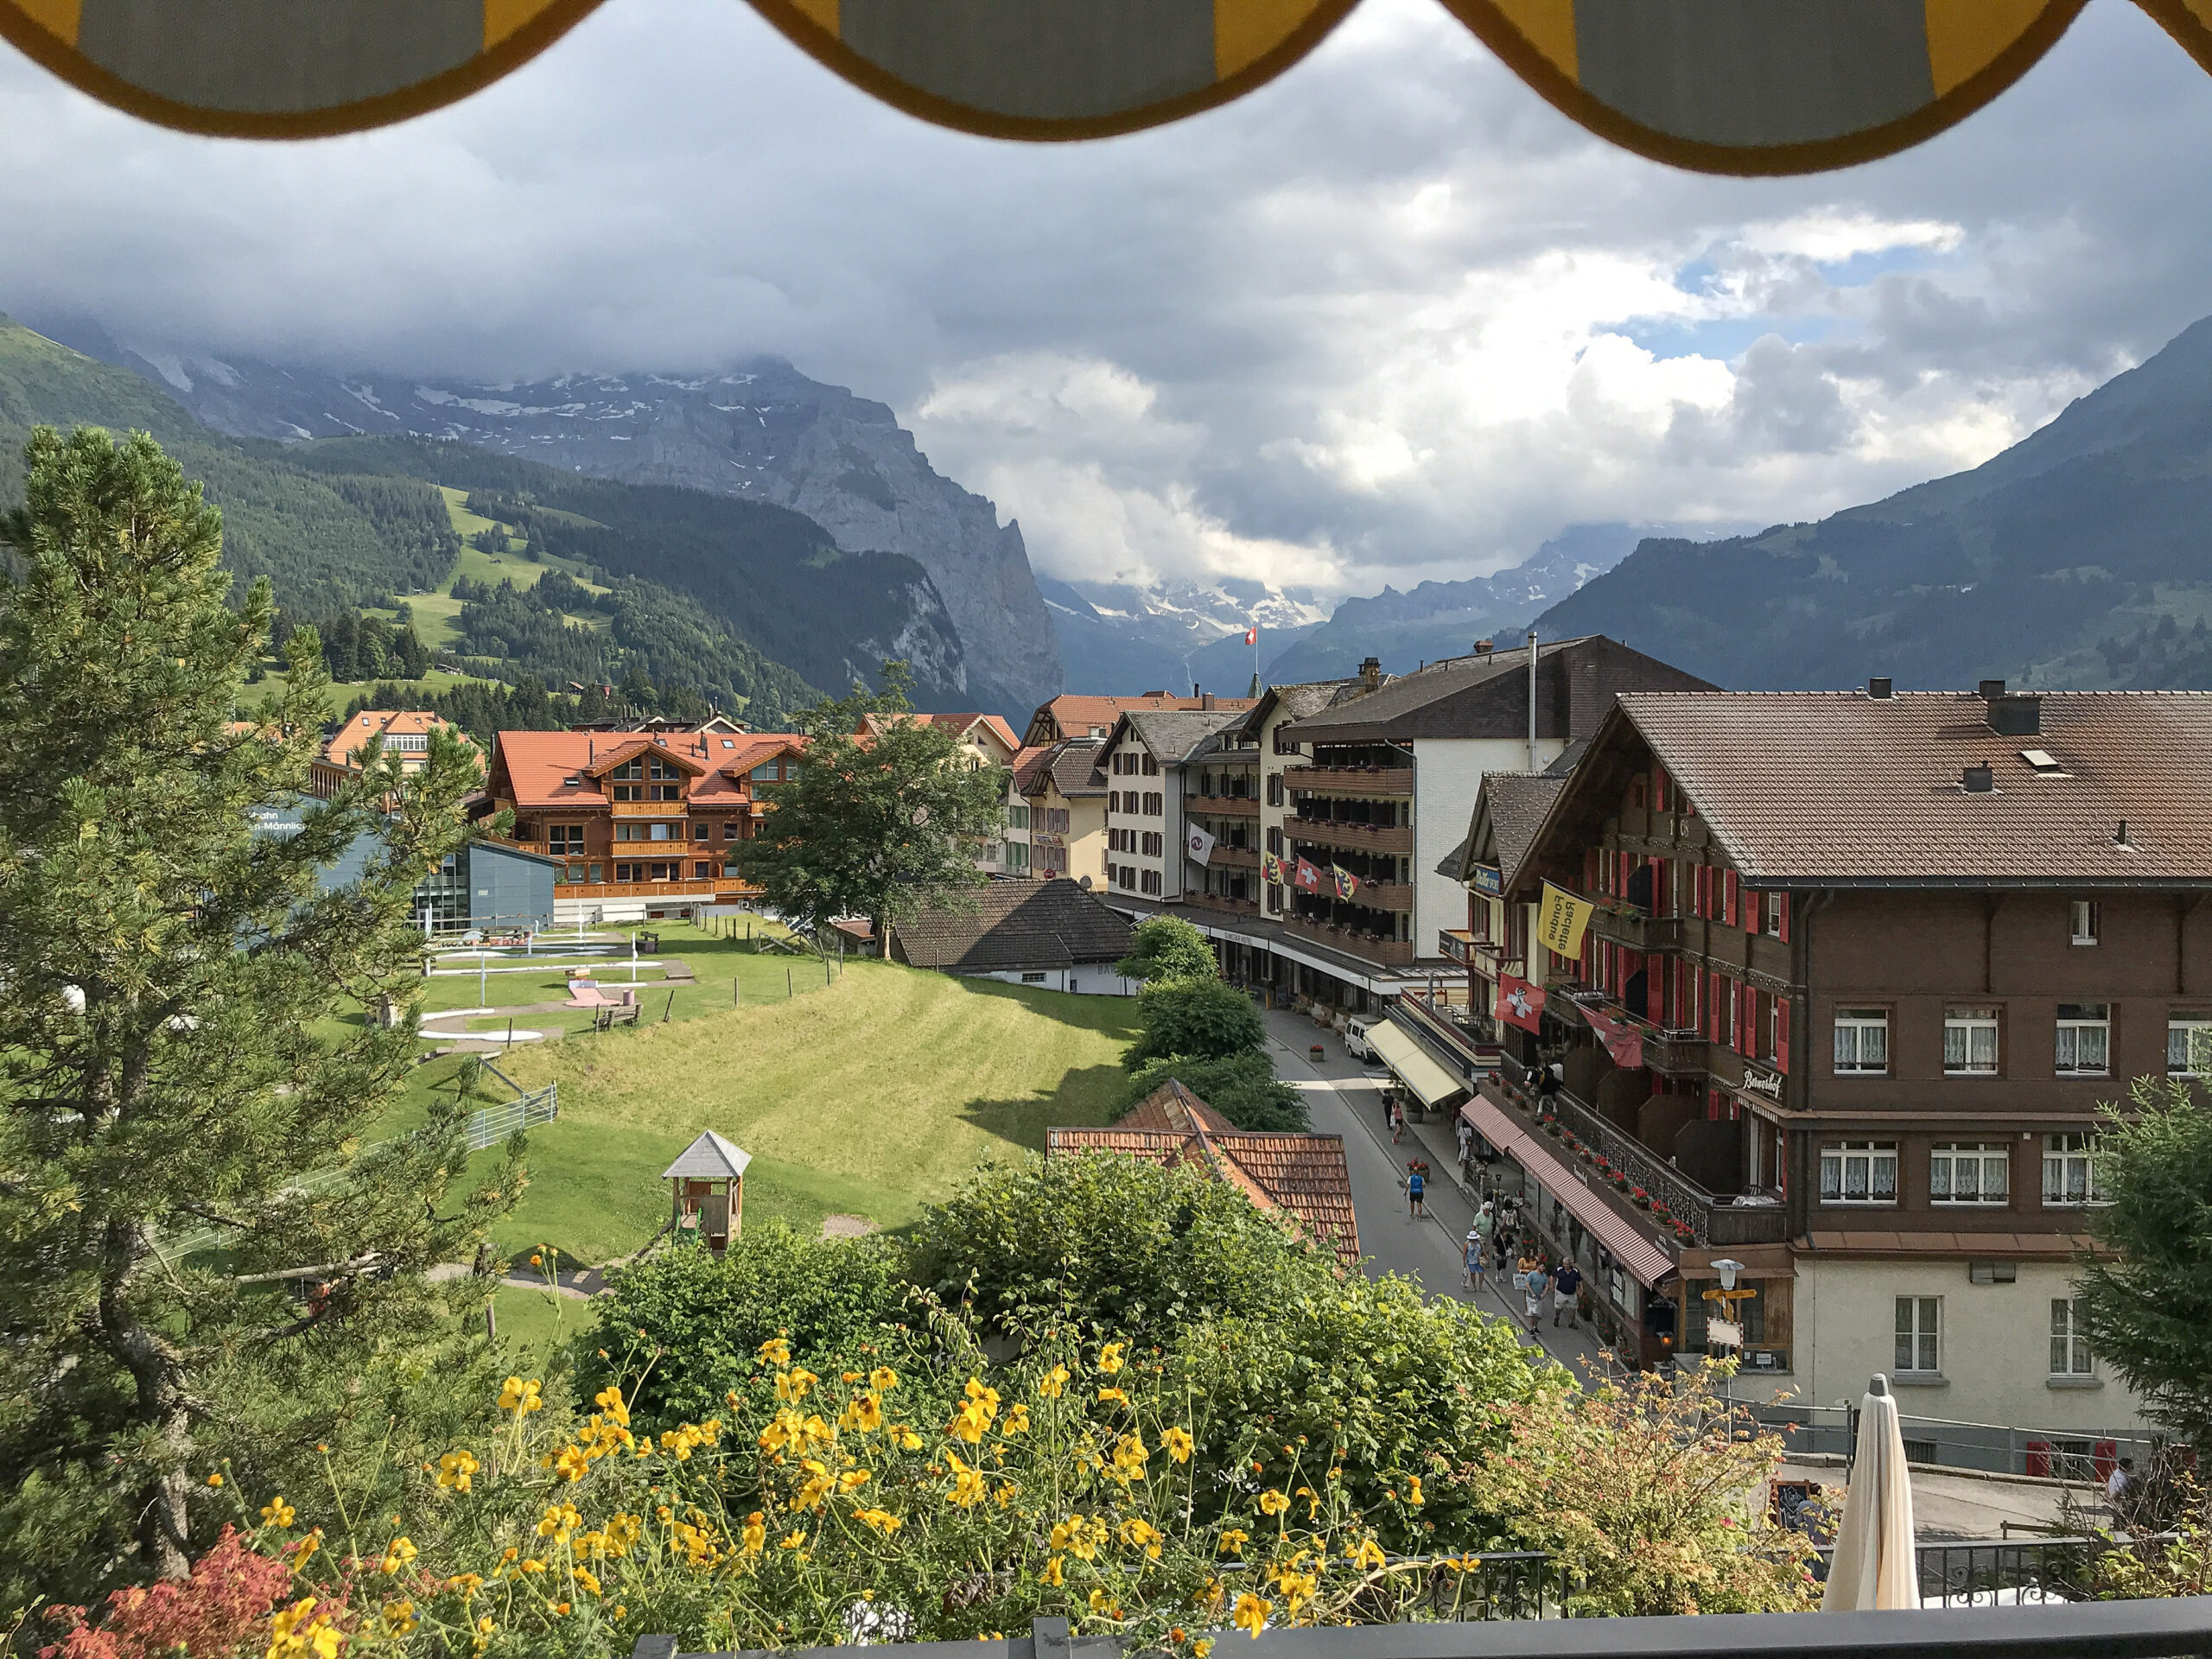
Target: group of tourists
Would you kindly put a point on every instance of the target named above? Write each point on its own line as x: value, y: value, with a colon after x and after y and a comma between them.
x: 1496, y: 1240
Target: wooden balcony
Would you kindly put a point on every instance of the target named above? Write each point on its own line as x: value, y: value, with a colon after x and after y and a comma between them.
x: 1227, y: 906
x: 1233, y: 858
x: 1223, y: 806
x: 1359, y: 838
x: 1638, y: 931
x: 717, y: 889
x: 649, y: 809
x: 1677, y: 1053
x: 1383, y: 953
x: 1393, y: 896
x: 1351, y: 780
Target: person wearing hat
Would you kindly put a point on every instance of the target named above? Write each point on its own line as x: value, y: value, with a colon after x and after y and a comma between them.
x: 1471, y: 1258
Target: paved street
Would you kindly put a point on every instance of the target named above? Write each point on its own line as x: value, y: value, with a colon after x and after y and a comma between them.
x: 1344, y: 1100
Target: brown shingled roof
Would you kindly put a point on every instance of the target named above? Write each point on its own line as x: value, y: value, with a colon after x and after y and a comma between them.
x: 1013, y: 924
x: 1301, y: 1177
x: 1835, y: 788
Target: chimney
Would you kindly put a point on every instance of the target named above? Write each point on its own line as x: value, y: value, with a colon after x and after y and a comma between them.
x: 2016, y: 715
x: 1484, y: 647
x: 1205, y: 700
x: 2120, y: 836
x: 1880, y: 687
x: 1370, y: 673
x: 1991, y: 689
x: 1977, y: 779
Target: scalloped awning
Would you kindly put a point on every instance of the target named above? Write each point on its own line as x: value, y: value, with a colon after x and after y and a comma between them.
x: 1746, y: 86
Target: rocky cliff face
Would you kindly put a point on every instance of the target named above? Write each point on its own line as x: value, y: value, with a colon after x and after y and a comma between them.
x: 764, y: 432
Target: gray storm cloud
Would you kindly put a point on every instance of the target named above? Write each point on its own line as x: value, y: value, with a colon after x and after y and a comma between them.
x: 1390, y: 318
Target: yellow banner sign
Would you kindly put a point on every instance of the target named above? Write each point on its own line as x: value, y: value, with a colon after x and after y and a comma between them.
x: 1560, y: 921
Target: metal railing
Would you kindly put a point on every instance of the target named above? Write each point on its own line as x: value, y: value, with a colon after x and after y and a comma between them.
x: 2086, y: 1455
x: 488, y: 1126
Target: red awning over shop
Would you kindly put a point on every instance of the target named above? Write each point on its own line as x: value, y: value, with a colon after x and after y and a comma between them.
x: 1646, y: 1261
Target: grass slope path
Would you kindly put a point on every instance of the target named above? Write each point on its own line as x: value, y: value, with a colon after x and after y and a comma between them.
x: 872, y: 1096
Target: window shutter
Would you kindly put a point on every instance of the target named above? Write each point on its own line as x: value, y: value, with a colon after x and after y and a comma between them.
x: 1659, y: 789
x: 1781, y: 1021
x: 1731, y: 896
x: 1785, y: 919
x: 1697, y: 892
x: 1589, y: 869
x: 1712, y: 1008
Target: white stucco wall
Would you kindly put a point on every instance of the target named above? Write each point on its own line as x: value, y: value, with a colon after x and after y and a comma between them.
x: 1084, y: 979
x: 1447, y: 774
x: 1994, y: 1352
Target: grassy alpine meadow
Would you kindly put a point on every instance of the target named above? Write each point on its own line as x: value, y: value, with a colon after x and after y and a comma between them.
x: 870, y: 1095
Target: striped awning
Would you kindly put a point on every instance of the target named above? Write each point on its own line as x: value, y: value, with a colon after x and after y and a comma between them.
x: 1722, y: 85
x: 1651, y: 1266
x: 1412, y: 1065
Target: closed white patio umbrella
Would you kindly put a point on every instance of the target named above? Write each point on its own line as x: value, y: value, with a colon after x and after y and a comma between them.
x: 1875, y: 1565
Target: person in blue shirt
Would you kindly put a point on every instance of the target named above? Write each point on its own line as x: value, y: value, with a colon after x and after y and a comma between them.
x: 1415, y: 1186
x: 1565, y: 1283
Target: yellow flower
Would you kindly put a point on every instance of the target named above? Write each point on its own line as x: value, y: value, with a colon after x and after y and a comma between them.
x: 589, y: 1583
x: 1273, y: 1501
x: 1251, y: 1614
x: 906, y: 1440
x: 1109, y: 1358
x: 468, y: 1583
x: 610, y: 1401
x: 455, y: 1470
x: 863, y: 1414
x: 792, y: 1542
x: 1202, y: 1647
x: 1412, y: 1491
x: 1079, y: 1537
x: 883, y: 1379
x: 1138, y: 1531
x: 1130, y: 1455
x: 1114, y: 1393
x: 520, y: 1398
x: 1053, y: 1573
x: 755, y: 1534
x: 214, y: 1480
x: 969, y: 1488
x: 1233, y: 1539
x: 1368, y: 1555
x: 571, y: 1463
x: 777, y: 1351
x: 398, y: 1618
x: 1052, y: 1381
x: 397, y: 1555
x: 277, y: 1512
x: 1178, y: 1443
x: 882, y: 1520
x: 792, y: 1385
x: 1017, y: 1420
x: 852, y: 1478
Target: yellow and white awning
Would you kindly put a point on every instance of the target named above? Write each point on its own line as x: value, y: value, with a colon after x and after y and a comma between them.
x: 1412, y: 1066
x: 1747, y: 86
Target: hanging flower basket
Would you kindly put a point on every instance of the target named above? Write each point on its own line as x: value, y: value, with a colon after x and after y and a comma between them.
x: 1602, y: 1166
x: 1684, y: 1231
x: 1620, y: 1180
x: 1660, y: 1212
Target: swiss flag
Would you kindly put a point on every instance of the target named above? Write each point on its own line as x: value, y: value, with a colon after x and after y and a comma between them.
x: 1251, y: 636
x: 1308, y: 877
x: 1519, y: 1003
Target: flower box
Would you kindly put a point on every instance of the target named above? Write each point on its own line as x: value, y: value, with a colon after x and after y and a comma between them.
x: 1639, y: 1198
x: 1551, y: 1128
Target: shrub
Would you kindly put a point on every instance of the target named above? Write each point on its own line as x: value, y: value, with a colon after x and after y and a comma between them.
x: 1198, y: 1020
x: 1167, y: 948
x: 1243, y: 1087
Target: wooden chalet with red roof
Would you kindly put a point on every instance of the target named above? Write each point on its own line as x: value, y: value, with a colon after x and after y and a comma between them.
x: 640, y: 815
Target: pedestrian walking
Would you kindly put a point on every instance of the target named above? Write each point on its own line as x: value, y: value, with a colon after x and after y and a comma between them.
x: 2118, y: 1485
x: 1473, y: 1261
x: 1397, y: 1121
x: 1416, y: 1185
x: 1501, y: 1252
x: 1466, y: 1139
x: 1532, y: 1279
x: 1565, y: 1283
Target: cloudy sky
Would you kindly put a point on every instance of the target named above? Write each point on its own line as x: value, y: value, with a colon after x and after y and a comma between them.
x: 1390, y: 318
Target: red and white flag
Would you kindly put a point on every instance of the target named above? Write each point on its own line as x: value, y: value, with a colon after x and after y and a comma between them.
x: 1519, y: 1003
x: 1251, y: 636
x: 1622, y: 1040
x: 1307, y: 878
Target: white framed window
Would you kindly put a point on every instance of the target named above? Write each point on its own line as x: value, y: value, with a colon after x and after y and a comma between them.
x: 1969, y: 1042
x: 2189, y: 1045
x: 1919, y: 1333
x: 2082, y: 914
x: 1859, y: 1172
x: 1862, y: 1041
x: 2069, y: 1170
x: 1032, y: 979
x: 2084, y: 1039
x: 1962, y: 1172
x: 2069, y: 1342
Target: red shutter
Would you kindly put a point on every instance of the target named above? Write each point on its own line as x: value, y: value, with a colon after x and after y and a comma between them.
x: 1730, y: 895
x: 1659, y: 789
x: 1703, y: 884
x: 1712, y: 1014
x: 1782, y: 1020
x: 1785, y: 919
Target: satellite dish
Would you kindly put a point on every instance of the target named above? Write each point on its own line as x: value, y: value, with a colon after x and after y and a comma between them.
x: 1084, y: 884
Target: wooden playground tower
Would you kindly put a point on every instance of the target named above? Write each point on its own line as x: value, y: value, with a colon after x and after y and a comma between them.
x: 707, y: 1192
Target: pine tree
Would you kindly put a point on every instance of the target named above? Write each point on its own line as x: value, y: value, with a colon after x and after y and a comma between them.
x: 182, y: 1142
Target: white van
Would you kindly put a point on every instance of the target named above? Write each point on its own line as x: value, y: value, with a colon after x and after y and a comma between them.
x: 1356, y: 1043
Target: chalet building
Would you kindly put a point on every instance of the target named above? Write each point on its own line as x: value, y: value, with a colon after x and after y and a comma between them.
x: 1145, y: 804
x: 639, y: 825
x: 1360, y: 786
x: 1050, y: 934
x: 1861, y: 970
x: 406, y: 734
x: 1077, y: 715
x: 1064, y: 789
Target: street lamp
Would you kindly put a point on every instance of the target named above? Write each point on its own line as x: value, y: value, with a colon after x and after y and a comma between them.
x: 1729, y: 1333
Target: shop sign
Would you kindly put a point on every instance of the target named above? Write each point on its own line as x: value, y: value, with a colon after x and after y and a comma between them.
x: 1485, y: 879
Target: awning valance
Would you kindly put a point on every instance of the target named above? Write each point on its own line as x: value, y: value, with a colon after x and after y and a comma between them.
x: 1720, y: 87
x: 1651, y: 1265
x: 1412, y: 1065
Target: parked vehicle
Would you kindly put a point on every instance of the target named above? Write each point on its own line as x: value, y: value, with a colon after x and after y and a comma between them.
x: 1356, y: 1043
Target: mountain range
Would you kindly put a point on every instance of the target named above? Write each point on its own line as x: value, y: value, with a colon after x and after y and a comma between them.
x: 2078, y: 558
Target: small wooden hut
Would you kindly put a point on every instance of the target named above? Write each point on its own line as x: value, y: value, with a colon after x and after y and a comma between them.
x: 707, y: 1189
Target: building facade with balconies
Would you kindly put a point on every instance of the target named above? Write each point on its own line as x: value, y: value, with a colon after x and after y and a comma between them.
x: 1861, y: 971
x: 1145, y: 818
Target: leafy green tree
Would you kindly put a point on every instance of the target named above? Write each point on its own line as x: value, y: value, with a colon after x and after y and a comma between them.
x: 180, y: 1042
x: 884, y: 818
x: 2149, y: 1303
x: 1195, y: 1020
x: 1165, y: 947
x: 1243, y: 1087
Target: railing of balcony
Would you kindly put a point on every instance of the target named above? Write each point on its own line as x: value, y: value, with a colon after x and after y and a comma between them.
x: 1711, y: 1220
x: 1346, y: 832
x: 1440, y: 1024
x: 1390, y: 953
x: 1351, y: 780
x: 1233, y: 806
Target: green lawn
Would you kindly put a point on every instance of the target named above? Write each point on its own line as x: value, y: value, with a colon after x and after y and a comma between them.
x: 721, y: 961
x: 872, y: 1097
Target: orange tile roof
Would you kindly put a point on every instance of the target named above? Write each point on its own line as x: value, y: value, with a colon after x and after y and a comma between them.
x: 1029, y: 765
x: 1300, y: 1178
x: 342, y: 746
x: 539, y: 764
x: 1074, y: 714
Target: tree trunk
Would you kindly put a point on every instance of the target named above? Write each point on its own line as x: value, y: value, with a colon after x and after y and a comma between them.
x: 165, y: 1522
